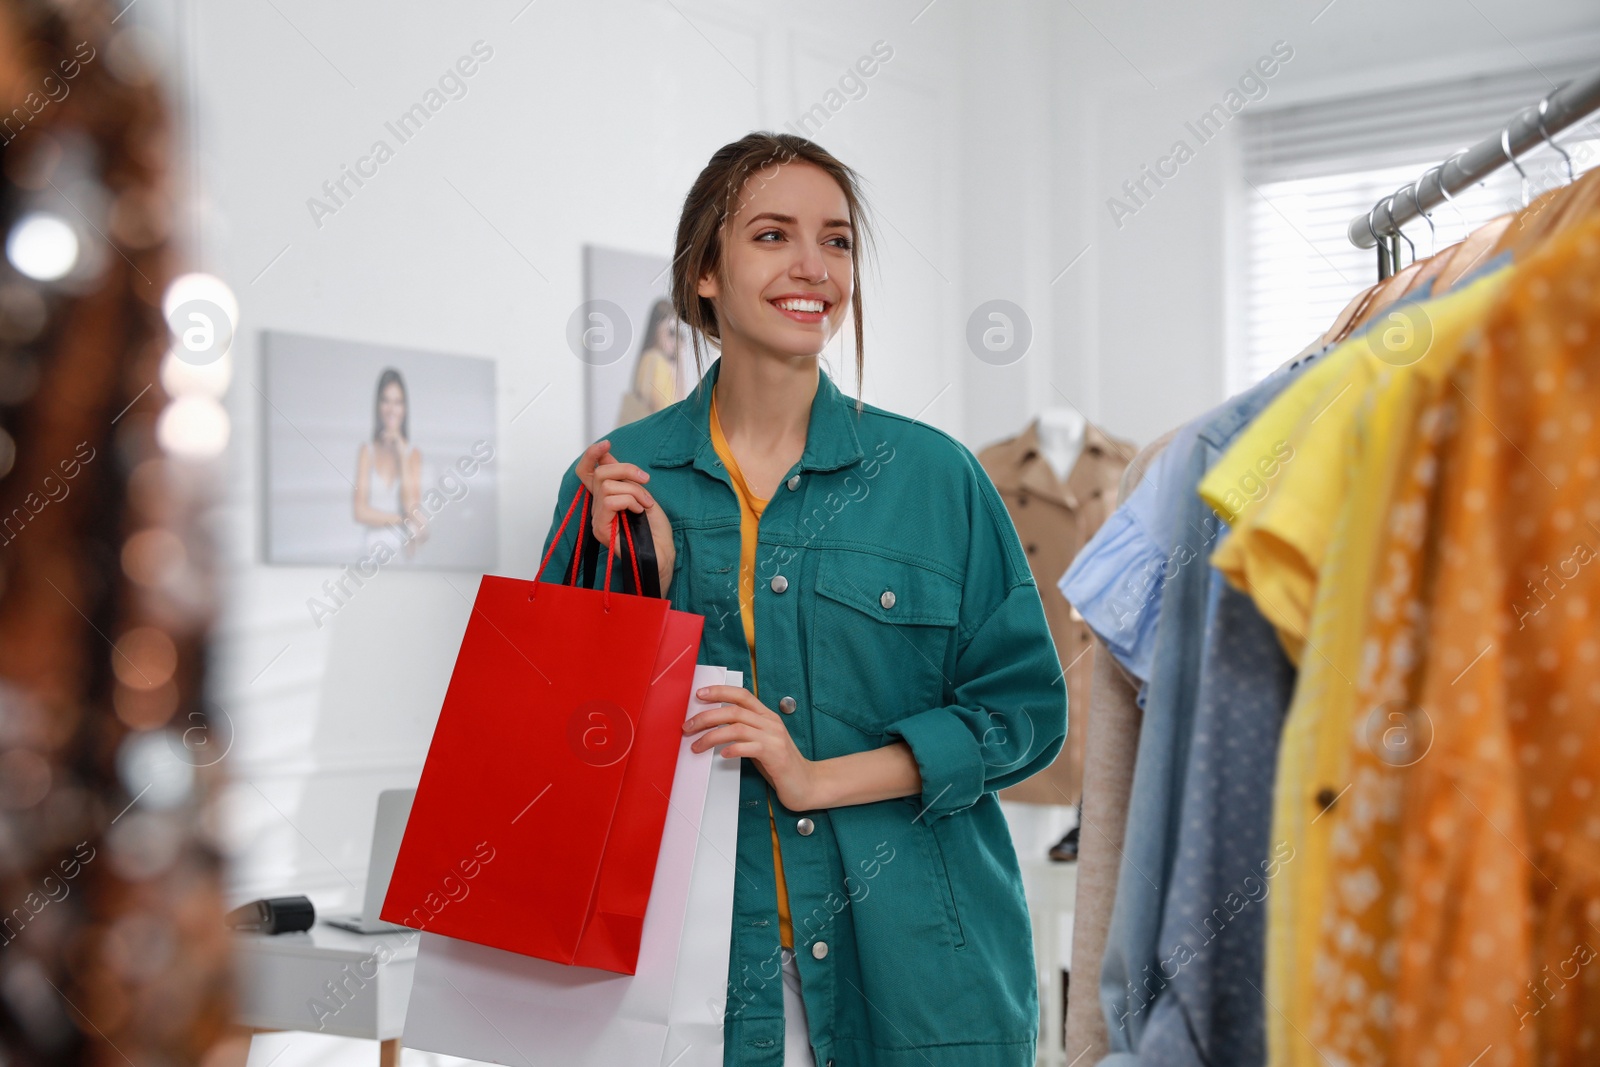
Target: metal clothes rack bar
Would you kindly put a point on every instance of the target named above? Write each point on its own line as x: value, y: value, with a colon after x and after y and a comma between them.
x: 1528, y: 128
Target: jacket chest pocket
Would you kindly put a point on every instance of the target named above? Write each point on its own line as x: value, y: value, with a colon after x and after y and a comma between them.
x: 881, y: 638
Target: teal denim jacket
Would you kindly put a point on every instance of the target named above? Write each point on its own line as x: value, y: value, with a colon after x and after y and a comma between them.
x: 893, y: 601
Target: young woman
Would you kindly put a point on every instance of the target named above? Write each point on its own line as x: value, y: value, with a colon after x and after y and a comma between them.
x: 860, y: 568
x: 389, y: 477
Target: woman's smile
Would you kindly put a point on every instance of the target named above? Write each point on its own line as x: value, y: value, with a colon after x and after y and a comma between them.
x: 802, y: 307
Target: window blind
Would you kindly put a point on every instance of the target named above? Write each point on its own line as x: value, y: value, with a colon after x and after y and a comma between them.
x: 1308, y: 169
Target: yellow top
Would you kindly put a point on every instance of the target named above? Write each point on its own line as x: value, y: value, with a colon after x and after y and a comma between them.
x: 1257, y: 558
x: 1304, y: 548
x: 750, y: 509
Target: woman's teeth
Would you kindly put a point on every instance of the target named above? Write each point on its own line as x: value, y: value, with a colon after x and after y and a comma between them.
x: 815, y: 306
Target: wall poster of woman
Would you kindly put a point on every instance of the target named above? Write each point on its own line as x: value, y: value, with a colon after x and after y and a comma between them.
x: 388, y: 485
x: 378, y: 456
x: 656, y: 375
x: 638, y: 372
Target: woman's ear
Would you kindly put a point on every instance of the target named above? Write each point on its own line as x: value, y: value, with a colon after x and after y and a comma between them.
x: 708, y: 286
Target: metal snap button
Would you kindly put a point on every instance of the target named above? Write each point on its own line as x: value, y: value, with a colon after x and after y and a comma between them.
x: 779, y: 583
x: 819, y: 950
x: 887, y: 599
x: 793, y: 482
x: 805, y: 826
x: 786, y: 705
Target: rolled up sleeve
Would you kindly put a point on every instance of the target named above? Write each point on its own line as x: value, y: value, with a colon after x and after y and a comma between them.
x: 1008, y: 716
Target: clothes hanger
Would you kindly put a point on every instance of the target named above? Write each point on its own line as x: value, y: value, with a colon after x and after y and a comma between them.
x: 1433, y: 234
x: 1353, y: 308
x: 1391, y: 288
x: 1449, y: 254
x: 1562, y: 206
x: 1475, y: 249
x: 1471, y: 250
x: 1418, y: 272
x: 1544, y: 105
x: 1537, y: 220
x: 1522, y: 175
x: 1341, y: 324
x: 1436, y: 260
x: 1399, y: 231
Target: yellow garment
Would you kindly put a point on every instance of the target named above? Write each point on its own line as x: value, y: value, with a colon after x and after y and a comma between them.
x: 1500, y: 830
x: 1354, y: 1021
x: 750, y: 509
x: 1292, y: 431
x: 1304, y: 552
x: 1485, y: 848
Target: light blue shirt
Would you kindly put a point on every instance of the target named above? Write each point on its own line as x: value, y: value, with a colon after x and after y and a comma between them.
x: 1116, y: 579
x: 1131, y: 974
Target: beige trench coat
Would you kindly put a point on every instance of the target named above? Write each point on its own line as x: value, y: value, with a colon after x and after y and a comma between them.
x: 1054, y: 519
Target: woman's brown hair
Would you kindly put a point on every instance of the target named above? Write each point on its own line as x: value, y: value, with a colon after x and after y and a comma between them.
x: 715, y: 198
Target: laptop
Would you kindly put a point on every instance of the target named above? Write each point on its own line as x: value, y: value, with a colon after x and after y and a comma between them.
x: 394, y: 808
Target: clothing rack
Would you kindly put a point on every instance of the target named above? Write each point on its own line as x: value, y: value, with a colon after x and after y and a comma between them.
x: 1380, y: 227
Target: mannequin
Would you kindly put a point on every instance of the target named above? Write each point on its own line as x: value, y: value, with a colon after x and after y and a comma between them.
x: 1061, y: 432
x: 1058, y: 478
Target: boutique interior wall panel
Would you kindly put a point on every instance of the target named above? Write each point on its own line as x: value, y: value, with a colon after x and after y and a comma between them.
x: 913, y: 283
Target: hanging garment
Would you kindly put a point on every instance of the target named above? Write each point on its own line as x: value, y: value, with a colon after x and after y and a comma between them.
x: 1109, y: 748
x: 1130, y: 978
x: 1302, y: 548
x: 1360, y: 925
x: 1054, y: 519
x: 1214, y: 921
x: 1115, y: 583
x: 1354, y: 1020
x: 1499, y: 829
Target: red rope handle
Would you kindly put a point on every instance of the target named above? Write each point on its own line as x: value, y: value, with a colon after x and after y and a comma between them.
x: 611, y: 551
x: 583, y: 524
x: 556, y: 540
x: 577, y: 550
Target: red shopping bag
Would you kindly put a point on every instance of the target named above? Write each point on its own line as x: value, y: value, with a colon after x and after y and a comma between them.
x: 538, y: 817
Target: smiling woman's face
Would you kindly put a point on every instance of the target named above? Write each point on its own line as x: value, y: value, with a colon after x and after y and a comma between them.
x: 787, y: 277
x: 392, y: 408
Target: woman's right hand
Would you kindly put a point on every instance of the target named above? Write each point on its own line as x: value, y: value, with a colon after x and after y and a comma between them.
x: 618, y: 486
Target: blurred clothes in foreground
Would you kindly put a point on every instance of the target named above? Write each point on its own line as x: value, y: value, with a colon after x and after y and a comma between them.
x: 112, y: 948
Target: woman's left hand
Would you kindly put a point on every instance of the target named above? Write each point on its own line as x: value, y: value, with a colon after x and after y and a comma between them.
x: 756, y: 731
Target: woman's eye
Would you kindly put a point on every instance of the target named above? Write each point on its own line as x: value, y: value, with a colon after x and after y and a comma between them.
x: 844, y: 242
x: 764, y: 234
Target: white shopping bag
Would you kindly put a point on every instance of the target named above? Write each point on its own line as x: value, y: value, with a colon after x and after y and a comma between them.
x: 487, y: 1004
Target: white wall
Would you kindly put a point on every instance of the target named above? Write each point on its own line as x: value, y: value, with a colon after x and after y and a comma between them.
x: 1143, y: 322
x: 991, y: 142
